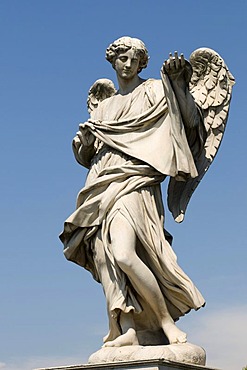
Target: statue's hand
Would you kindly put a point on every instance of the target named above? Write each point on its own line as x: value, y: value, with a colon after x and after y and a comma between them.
x: 174, y: 67
x: 84, y: 135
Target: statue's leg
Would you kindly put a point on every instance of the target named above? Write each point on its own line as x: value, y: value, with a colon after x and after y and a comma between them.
x: 128, y: 336
x: 121, y: 328
x: 123, y: 245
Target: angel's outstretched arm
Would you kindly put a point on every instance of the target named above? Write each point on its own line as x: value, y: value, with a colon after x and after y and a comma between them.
x: 177, y: 70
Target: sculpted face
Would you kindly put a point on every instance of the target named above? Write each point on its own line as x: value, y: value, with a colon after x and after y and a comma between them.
x: 127, y: 64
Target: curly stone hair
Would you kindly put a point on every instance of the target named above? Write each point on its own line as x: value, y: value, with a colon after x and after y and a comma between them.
x: 125, y: 43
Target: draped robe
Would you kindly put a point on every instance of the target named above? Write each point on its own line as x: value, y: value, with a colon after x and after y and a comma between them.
x: 140, y: 145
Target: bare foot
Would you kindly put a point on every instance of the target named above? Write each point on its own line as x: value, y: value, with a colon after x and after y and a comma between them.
x: 127, y: 339
x: 174, y: 334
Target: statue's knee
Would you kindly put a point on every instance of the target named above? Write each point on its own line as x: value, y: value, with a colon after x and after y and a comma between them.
x: 122, y: 242
x: 125, y: 264
x: 122, y: 258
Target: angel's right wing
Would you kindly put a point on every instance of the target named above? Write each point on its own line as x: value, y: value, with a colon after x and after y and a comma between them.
x: 211, y: 86
x: 100, y: 90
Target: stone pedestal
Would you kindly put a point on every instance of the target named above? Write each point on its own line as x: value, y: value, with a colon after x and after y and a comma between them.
x: 134, y: 365
x: 185, y: 356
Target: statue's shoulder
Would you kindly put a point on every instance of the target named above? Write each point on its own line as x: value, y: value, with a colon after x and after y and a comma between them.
x: 154, y: 83
x: 154, y: 87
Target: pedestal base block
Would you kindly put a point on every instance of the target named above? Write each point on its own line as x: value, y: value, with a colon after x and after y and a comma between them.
x: 134, y: 365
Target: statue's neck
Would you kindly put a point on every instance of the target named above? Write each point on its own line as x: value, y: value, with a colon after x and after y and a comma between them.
x: 127, y: 86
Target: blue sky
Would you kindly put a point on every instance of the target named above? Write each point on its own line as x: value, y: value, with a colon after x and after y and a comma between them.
x: 51, y: 311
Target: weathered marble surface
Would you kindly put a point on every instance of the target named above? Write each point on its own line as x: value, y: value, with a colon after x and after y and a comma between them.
x: 184, y: 353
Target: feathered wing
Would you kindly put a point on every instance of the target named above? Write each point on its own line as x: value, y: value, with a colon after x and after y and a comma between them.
x: 211, y: 86
x: 100, y: 90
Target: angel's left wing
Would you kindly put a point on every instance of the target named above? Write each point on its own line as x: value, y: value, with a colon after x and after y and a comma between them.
x: 211, y: 86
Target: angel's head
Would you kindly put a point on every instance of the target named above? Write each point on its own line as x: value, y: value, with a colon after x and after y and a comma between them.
x: 124, y: 44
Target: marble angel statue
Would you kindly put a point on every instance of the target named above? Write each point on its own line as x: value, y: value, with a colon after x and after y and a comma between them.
x: 137, y: 136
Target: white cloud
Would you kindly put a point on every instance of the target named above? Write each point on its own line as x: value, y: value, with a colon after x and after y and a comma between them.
x: 223, y: 334
x: 2, y: 365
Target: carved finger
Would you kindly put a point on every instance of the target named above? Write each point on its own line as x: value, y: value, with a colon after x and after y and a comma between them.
x: 166, y: 65
x: 82, y: 126
x: 81, y: 137
x: 177, y: 61
x: 182, y: 60
x: 171, y: 60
